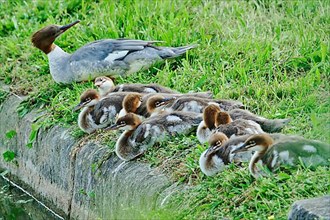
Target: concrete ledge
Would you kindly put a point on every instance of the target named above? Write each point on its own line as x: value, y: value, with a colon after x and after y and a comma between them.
x: 63, y: 177
x: 310, y: 209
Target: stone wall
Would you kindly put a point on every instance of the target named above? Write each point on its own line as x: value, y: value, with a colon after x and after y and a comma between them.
x: 58, y: 171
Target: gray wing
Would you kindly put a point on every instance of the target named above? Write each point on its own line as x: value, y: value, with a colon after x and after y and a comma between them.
x: 106, y: 109
x: 101, y: 49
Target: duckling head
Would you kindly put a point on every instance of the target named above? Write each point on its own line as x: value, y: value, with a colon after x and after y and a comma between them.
x: 132, y: 102
x: 128, y: 122
x: 45, y: 37
x: 222, y: 118
x: 209, y: 115
x: 257, y: 142
x: 156, y: 102
x: 89, y: 98
x: 216, y: 140
x: 104, y: 84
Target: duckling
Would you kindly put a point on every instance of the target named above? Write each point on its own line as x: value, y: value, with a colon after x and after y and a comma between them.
x: 272, y: 150
x: 145, y: 109
x: 106, y: 85
x: 268, y: 125
x: 140, y: 135
x: 156, y: 103
x: 207, y: 125
x: 97, y: 113
x: 131, y: 103
x: 209, y: 162
x: 108, y: 56
x: 220, y: 153
x: 226, y: 125
x: 197, y: 104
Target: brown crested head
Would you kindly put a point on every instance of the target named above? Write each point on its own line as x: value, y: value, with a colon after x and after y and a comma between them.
x: 209, y: 114
x: 222, y: 118
x: 256, y: 142
x: 259, y: 139
x: 157, y: 101
x: 216, y: 141
x: 45, y: 37
x: 89, y: 98
x: 131, y: 102
x: 128, y: 122
x: 217, y: 138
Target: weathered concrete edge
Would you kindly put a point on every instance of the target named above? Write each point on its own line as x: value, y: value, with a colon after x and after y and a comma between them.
x: 314, y: 208
x: 56, y: 172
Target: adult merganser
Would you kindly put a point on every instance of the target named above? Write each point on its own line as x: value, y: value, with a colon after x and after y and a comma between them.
x: 238, y: 127
x: 106, y: 85
x: 102, y: 57
x: 276, y: 149
x: 98, y: 113
x: 220, y: 153
x: 140, y: 135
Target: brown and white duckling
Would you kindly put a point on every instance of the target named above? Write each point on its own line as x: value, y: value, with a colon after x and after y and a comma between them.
x: 207, y: 125
x: 268, y: 125
x: 226, y: 125
x: 220, y: 153
x: 156, y: 104
x: 197, y: 104
x: 140, y: 135
x: 106, y: 86
x: 97, y: 113
x: 150, y: 103
x: 204, y: 129
x: 272, y: 150
x: 131, y: 103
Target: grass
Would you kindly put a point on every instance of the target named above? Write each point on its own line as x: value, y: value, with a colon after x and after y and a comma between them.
x: 271, y: 55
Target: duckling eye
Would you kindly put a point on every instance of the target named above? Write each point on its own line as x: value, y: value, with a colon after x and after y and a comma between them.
x: 88, y: 99
x: 122, y: 122
x: 218, y: 143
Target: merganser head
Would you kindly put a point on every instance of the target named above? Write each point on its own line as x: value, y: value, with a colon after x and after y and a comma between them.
x: 222, y: 118
x: 44, y: 38
x: 127, y: 122
x: 89, y: 98
x: 209, y: 115
x: 156, y: 102
x: 257, y: 142
x: 216, y: 140
x: 104, y: 84
x: 132, y: 102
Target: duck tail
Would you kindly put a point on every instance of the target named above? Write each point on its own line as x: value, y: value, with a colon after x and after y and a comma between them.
x: 275, y: 125
x: 181, y: 50
x: 172, y: 52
